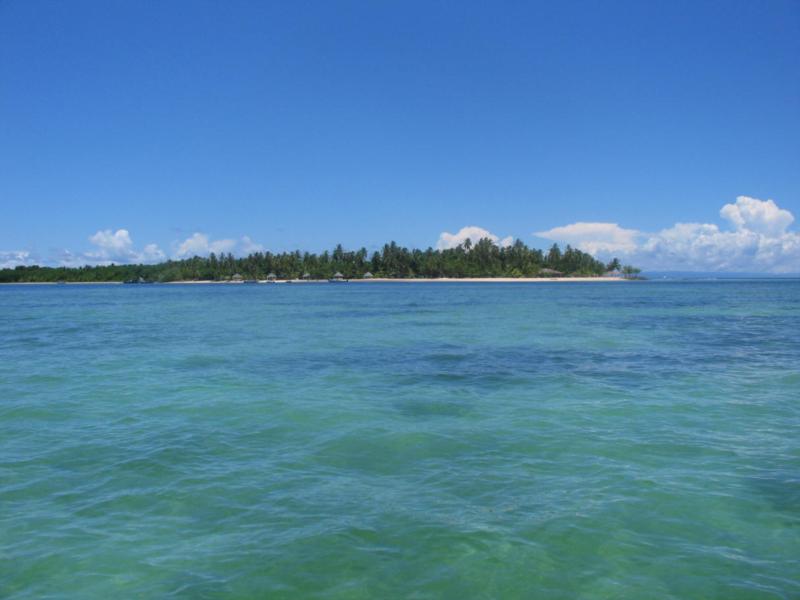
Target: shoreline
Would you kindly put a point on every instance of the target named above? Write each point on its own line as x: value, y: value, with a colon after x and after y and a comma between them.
x: 489, y: 280
x: 62, y: 282
x: 373, y: 280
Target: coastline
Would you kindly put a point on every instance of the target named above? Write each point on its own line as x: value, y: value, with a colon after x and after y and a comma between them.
x: 62, y: 282
x: 373, y: 280
x: 489, y: 280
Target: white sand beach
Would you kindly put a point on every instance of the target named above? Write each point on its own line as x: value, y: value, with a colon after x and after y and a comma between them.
x: 488, y: 280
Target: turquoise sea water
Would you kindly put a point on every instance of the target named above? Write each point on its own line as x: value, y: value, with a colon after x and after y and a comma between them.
x: 548, y: 440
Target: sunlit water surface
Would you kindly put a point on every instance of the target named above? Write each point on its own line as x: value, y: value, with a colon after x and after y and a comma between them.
x: 601, y: 440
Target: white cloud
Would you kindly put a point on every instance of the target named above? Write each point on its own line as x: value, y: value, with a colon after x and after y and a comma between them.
x: 152, y: 253
x: 248, y: 246
x: 472, y: 233
x: 117, y: 246
x: 199, y: 244
x: 760, y: 241
x: 763, y: 217
x: 113, y: 247
x: 15, y: 258
x: 65, y: 258
x: 109, y: 247
x: 115, y: 243
x: 704, y: 247
x: 594, y: 237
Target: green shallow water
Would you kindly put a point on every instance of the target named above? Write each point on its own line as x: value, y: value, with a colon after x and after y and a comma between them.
x: 401, y: 441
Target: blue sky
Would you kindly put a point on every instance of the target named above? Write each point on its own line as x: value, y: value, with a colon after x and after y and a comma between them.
x: 305, y: 124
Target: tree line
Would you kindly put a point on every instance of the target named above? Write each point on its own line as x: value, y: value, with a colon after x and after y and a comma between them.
x: 482, y: 259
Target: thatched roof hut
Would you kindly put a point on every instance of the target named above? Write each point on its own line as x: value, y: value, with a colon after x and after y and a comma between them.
x: 237, y: 277
x: 550, y: 273
x: 272, y: 277
x: 338, y: 275
x: 306, y: 275
x: 367, y: 275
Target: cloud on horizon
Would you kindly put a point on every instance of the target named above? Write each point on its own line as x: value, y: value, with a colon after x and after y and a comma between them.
x: 448, y: 240
x: 199, y: 244
x: 755, y: 236
x: 594, y: 238
x: 758, y: 240
x: 116, y: 246
x: 109, y: 247
x: 15, y: 258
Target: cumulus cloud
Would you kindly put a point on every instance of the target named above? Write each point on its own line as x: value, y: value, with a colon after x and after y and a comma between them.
x: 760, y: 240
x: 109, y: 247
x: 760, y: 216
x: 117, y: 246
x: 248, y: 246
x: 113, y: 242
x: 152, y: 253
x: 66, y: 258
x: 199, y: 244
x: 594, y: 238
x: 16, y: 258
x: 113, y: 247
x: 705, y: 247
x: 474, y: 234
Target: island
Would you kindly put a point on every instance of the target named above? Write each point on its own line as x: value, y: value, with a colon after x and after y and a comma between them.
x: 481, y: 261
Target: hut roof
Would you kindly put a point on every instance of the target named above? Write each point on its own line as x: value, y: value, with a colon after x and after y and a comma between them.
x: 338, y: 274
x: 271, y: 276
x: 237, y: 277
x: 550, y: 272
x: 367, y: 275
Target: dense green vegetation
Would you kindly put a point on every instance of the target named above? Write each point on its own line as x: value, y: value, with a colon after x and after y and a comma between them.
x: 483, y: 259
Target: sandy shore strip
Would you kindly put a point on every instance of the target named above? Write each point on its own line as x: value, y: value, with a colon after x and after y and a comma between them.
x: 373, y: 280
x: 61, y: 283
x: 426, y: 280
x: 487, y: 280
